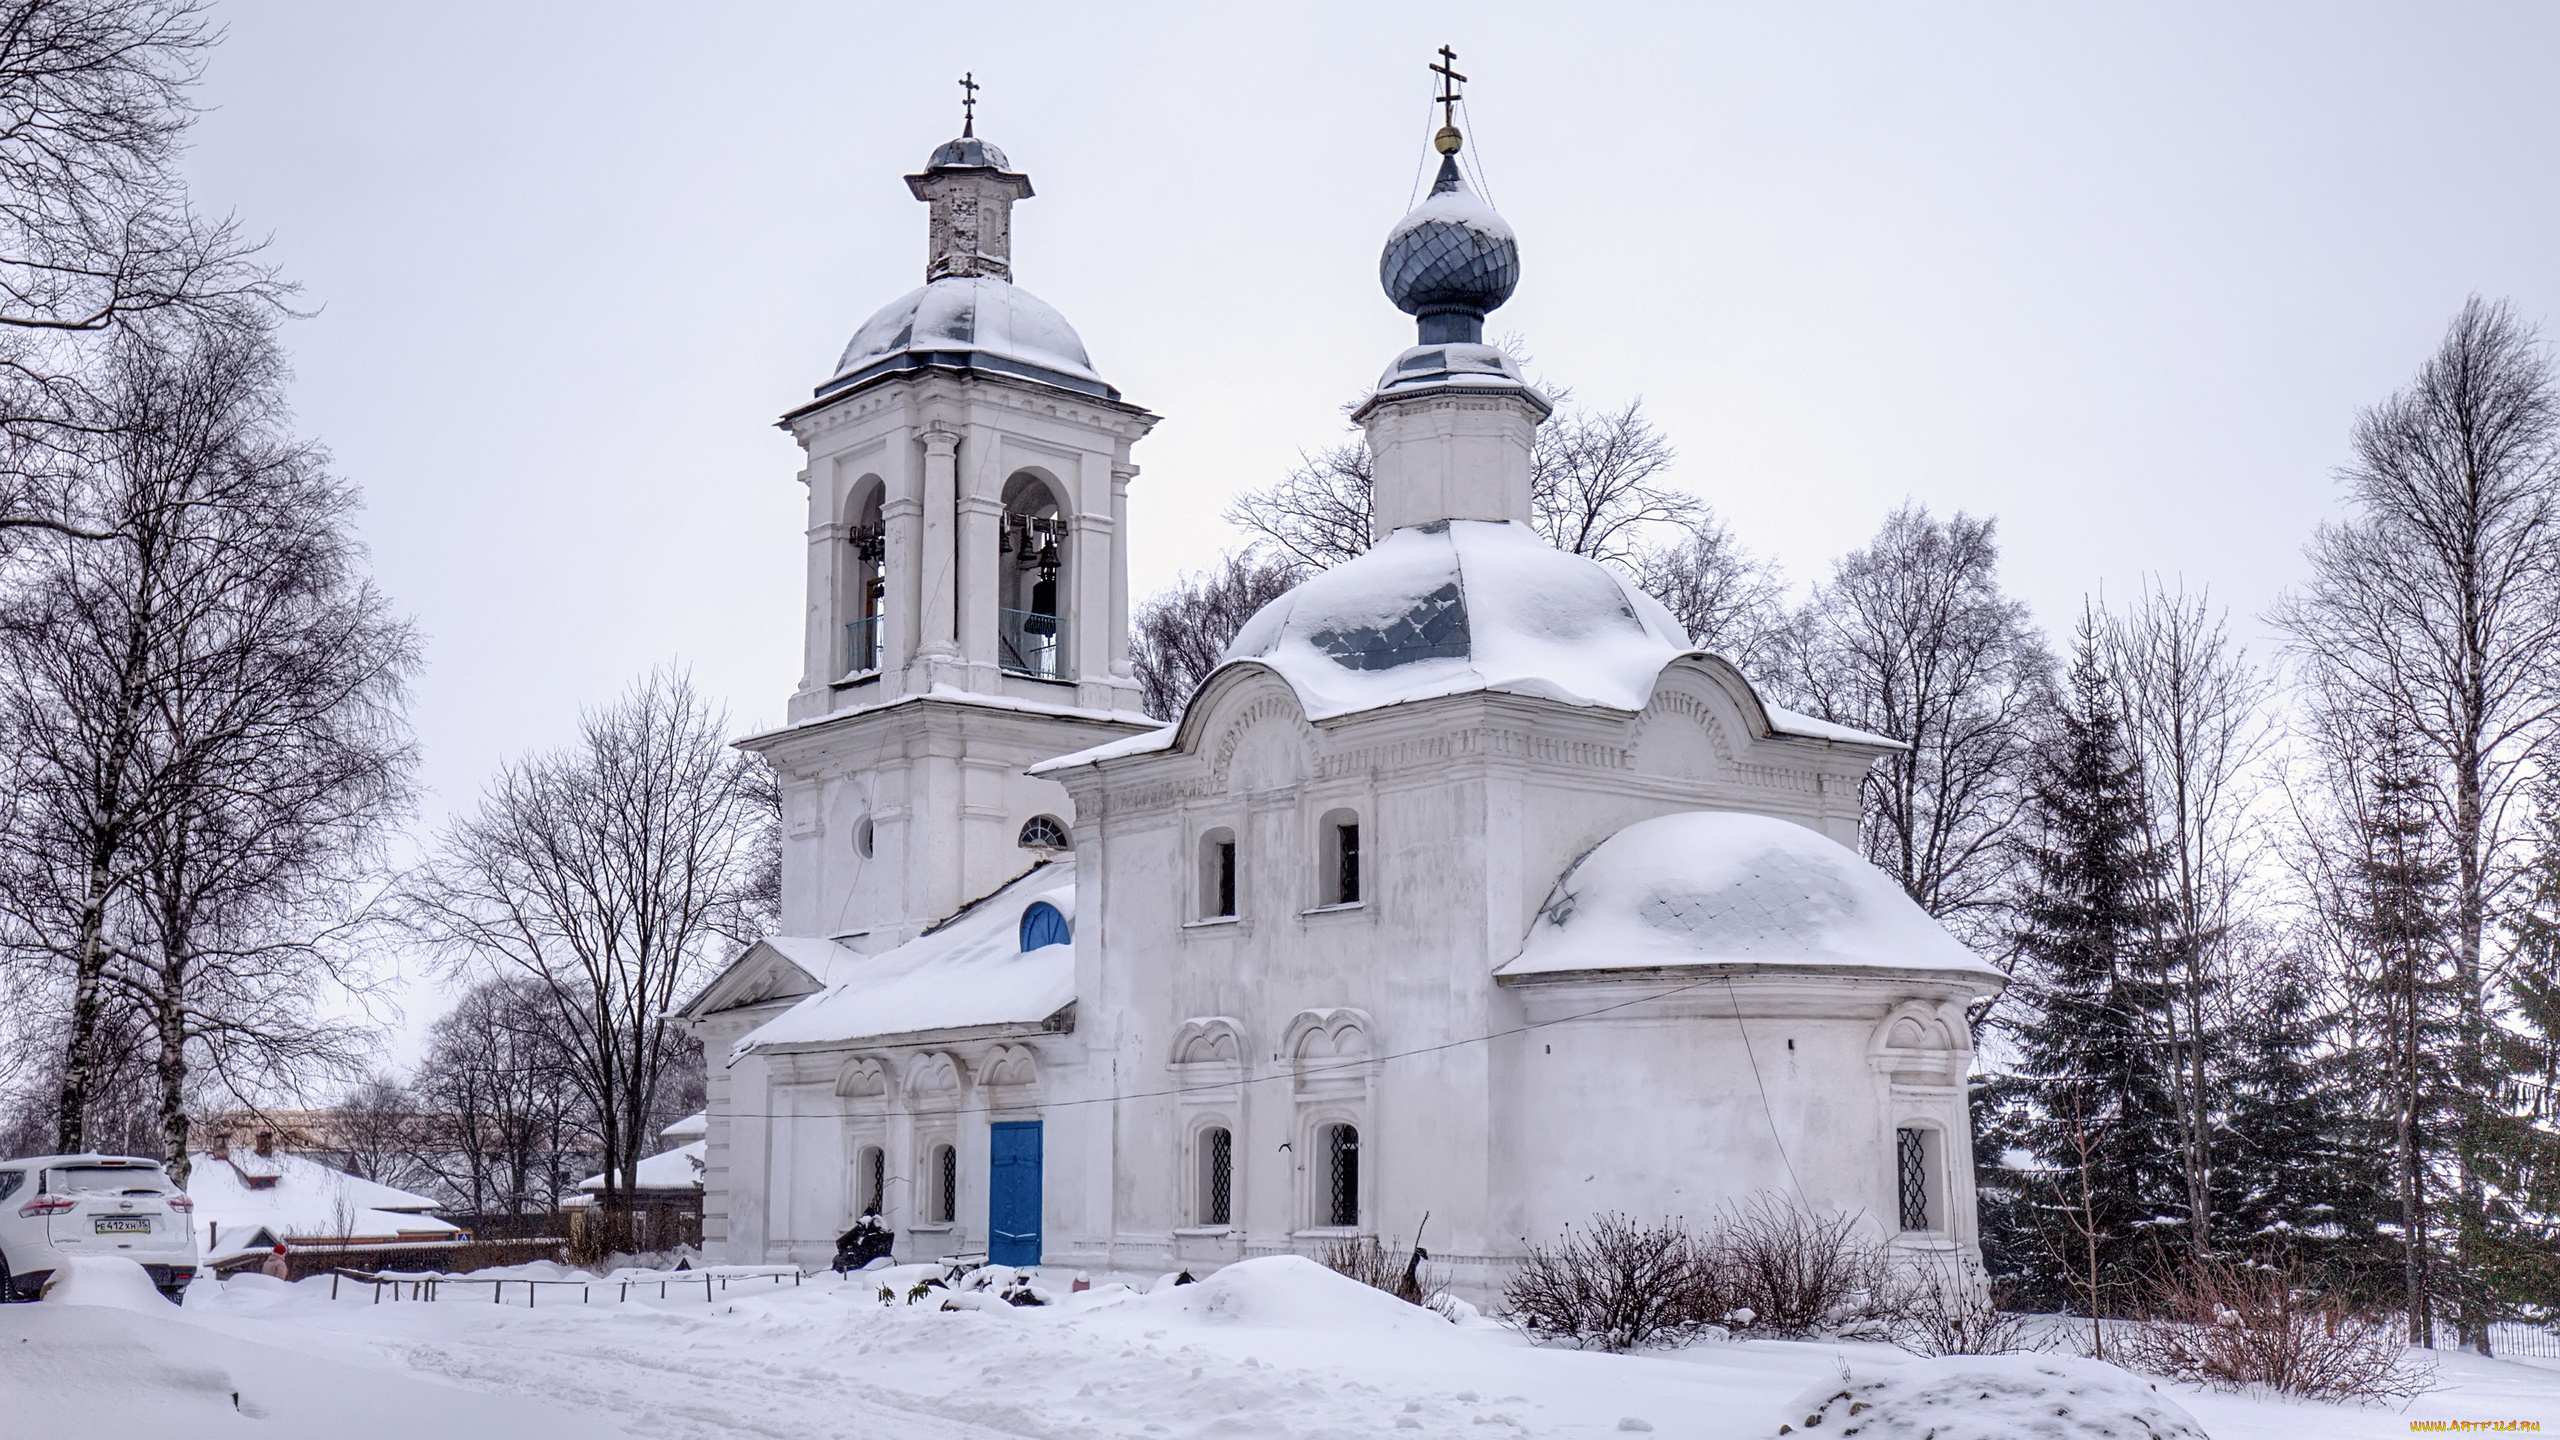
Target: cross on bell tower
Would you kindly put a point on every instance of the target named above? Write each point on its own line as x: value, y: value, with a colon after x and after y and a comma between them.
x: 968, y: 104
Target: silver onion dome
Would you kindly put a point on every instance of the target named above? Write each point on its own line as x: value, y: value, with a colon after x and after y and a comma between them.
x: 1450, y: 261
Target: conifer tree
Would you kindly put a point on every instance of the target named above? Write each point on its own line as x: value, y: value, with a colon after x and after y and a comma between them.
x: 2521, y: 1150
x: 2396, y: 921
x: 2096, y: 1105
x: 2305, y: 1170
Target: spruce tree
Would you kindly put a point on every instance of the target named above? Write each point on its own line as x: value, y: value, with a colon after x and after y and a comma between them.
x: 2400, y: 884
x: 2305, y: 1171
x: 2096, y: 1104
x: 2521, y: 1149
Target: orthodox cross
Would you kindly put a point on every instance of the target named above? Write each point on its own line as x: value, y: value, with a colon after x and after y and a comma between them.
x: 969, y: 103
x: 1450, y: 80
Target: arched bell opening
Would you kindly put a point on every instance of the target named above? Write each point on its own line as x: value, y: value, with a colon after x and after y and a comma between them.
x: 866, y: 589
x: 1031, y: 579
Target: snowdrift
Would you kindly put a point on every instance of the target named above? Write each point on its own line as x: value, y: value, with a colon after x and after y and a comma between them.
x: 1992, y: 1397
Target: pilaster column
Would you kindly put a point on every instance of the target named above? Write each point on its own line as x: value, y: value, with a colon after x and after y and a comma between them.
x: 1118, y: 640
x: 981, y: 515
x: 936, y: 613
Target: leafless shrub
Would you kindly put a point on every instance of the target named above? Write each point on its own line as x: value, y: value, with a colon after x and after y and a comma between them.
x: 2230, y: 1325
x: 1617, y: 1285
x: 1943, y: 1306
x: 1797, y: 1272
x: 1405, y: 1274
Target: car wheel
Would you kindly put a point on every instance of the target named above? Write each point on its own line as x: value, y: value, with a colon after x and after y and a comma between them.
x: 8, y: 1285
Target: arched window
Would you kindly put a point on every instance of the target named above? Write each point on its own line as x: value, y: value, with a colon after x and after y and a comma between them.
x: 870, y: 1181
x: 946, y: 1184
x: 1044, y: 832
x: 1339, y: 1146
x: 1043, y: 926
x: 1338, y: 858
x: 862, y: 837
x: 1218, y: 874
x: 1217, y: 1160
x: 1917, y: 1165
x: 1031, y: 580
x: 867, y: 582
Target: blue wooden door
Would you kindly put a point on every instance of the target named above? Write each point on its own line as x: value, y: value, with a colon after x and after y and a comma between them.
x: 1013, y: 1192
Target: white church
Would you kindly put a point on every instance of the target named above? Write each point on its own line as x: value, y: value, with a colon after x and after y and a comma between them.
x: 1466, y: 886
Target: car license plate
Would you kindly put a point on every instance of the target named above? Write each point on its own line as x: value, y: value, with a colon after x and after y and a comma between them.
x: 122, y: 1224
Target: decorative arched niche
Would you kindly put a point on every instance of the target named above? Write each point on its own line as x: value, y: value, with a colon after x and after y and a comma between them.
x: 1693, y: 727
x: 1333, y: 1062
x: 934, y: 1081
x: 863, y: 1078
x: 1209, y: 1044
x: 1922, y: 1044
x: 1010, y: 1065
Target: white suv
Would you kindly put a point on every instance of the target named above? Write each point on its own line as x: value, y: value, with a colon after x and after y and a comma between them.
x: 57, y: 1205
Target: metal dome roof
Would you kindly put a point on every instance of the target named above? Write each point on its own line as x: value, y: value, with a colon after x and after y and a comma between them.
x: 1453, y: 255
x: 966, y: 322
x: 968, y: 152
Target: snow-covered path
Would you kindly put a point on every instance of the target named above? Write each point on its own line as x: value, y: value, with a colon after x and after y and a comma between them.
x: 1279, y: 1349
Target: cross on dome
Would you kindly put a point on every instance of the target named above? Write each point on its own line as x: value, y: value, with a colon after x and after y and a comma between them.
x: 1448, y: 140
x: 968, y: 104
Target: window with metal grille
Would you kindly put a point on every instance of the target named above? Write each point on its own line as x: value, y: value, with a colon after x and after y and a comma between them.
x: 1911, y: 1154
x: 1044, y: 832
x: 1347, y: 868
x: 1217, y: 1176
x: 1342, y: 1174
x: 873, y: 1180
x: 946, y: 1185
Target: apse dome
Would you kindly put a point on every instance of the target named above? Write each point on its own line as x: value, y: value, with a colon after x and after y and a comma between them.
x: 1463, y: 605
x: 1710, y: 887
x: 974, y: 321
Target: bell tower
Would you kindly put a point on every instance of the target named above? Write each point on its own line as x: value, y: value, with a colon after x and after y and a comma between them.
x: 968, y: 474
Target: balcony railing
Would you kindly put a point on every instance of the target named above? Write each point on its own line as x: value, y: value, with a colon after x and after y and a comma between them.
x: 862, y: 645
x: 1028, y: 644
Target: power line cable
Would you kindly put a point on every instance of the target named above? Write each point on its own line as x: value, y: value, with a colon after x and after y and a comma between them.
x: 1295, y: 1073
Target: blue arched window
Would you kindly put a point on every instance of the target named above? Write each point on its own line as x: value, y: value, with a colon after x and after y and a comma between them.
x: 1042, y: 925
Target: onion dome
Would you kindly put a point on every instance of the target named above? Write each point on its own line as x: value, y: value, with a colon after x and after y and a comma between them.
x: 1450, y: 261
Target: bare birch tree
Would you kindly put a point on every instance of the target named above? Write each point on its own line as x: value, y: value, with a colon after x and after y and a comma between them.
x: 1596, y: 488
x: 1912, y: 638
x: 95, y: 227
x: 509, y: 1123
x: 199, y: 719
x: 616, y: 874
x: 1732, y: 602
x: 2197, y: 722
x: 2434, y: 610
x: 1181, y: 633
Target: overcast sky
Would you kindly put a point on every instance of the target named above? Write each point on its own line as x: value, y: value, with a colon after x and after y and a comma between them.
x: 2121, y: 280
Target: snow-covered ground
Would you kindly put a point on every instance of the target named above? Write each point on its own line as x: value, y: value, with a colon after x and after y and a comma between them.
x: 1271, y: 1348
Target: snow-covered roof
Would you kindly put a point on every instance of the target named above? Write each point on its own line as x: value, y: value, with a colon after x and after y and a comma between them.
x: 301, y: 1202
x: 975, y: 320
x: 1459, y: 606
x: 1710, y: 887
x: 969, y: 971
x: 677, y: 1169
x: 691, y: 1127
